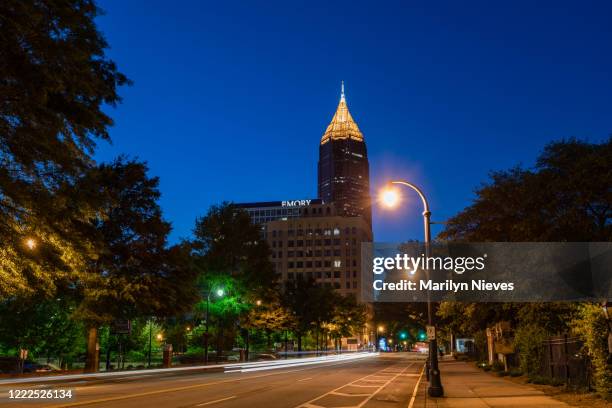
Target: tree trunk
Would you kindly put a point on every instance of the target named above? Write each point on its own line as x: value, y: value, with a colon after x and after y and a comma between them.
x: 92, y: 360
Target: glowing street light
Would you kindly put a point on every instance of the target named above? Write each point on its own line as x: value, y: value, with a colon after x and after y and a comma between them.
x: 159, y: 337
x: 30, y: 243
x: 381, y: 329
x: 390, y: 198
x: 220, y: 293
x: 258, y: 302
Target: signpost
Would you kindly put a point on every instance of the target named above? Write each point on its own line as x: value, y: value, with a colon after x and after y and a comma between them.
x: 431, y: 332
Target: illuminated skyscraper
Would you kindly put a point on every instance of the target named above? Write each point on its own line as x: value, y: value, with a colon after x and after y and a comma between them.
x: 344, y: 174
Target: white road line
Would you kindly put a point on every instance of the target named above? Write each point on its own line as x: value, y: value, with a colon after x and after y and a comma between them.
x: 416, y: 388
x: 310, y: 404
x: 305, y: 379
x: 215, y: 401
x: 382, y: 387
x: 344, y: 394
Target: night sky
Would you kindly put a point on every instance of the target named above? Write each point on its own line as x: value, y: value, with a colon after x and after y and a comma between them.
x: 230, y: 99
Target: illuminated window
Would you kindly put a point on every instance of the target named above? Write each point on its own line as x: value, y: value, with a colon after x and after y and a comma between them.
x: 337, y: 264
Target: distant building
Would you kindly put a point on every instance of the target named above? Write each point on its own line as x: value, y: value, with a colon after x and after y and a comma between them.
x: 344, y: 174
x: 321, y: 239
x: 264, y: 212
x: 309, y: 240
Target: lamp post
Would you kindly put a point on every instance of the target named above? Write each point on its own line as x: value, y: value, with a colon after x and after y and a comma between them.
x: 379, y: 331
x: 390, y: 198
x: 150, y: 342
x: 220, y: 292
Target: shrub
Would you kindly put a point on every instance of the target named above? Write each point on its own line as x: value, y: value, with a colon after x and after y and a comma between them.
x: 515, y: 373
x: 502, y: 373
x: 539, y: 379
x: 592, y: 326
x: 497, y: 366
x: 528, y: 340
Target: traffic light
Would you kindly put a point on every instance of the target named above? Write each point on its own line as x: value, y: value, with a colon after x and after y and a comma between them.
x: 403, y: 335
x: 422, y: 335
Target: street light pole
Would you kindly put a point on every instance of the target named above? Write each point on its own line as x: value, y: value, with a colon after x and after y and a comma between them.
x: 150, y: 341
x: 206, y: 329
x: 435, y: 384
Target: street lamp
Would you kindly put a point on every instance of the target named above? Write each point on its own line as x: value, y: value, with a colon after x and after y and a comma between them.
x: 379, y: 330
x: 390, y: 198
x: 30, y: 243
x: 220, y: 292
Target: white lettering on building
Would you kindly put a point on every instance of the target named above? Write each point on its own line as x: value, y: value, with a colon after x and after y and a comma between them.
x: 296, y: 203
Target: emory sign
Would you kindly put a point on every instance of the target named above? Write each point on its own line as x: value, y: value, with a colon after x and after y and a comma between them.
x: 295, y: 203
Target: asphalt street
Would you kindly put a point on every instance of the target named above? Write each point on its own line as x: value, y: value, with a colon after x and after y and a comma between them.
x: 386, y: 380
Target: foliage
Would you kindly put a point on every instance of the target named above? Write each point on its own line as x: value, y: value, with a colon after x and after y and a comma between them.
x: 528, y: 339
x: 348, y: 318
x: 566, y: 197
x: 132, y: 273
x: 44, y: 327
x: 592, y: 325
x: 228, y: 243
x: 54, y: 81
x: 231, y: 256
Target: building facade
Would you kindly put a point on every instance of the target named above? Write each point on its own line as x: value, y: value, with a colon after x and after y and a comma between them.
x: 344, y: 171
x: 310, y: 240
x: 320, y: 245
x: 264, y: 212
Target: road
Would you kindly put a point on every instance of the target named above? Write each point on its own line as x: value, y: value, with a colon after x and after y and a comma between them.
x: 387, y: 380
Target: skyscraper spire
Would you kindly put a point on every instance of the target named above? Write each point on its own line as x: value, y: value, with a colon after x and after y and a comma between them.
x: 342, y: 125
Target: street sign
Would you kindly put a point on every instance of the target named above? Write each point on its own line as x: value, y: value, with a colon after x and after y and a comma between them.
x: 121, y: 326
x: 431, y: 332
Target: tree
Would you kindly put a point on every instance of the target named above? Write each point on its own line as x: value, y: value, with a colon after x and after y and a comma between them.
x: 132, y: 272
x: 230, y: 253
x: 296, y: 297
x: 270, y: 318
x: 54, y: 80
x: 566, y: 197
x: 44, y: 327
x: 348, y: 318
x: 229, y: 243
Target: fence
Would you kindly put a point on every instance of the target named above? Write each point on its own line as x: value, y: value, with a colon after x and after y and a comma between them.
x: 562, y: 358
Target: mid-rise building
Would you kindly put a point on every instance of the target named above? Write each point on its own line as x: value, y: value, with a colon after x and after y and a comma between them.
x: 264, y: 212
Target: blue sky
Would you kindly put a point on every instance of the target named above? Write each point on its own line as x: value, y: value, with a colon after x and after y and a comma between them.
x: 230, y: 99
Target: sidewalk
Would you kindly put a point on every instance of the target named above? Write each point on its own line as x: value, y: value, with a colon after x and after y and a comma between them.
x: 465, y: 386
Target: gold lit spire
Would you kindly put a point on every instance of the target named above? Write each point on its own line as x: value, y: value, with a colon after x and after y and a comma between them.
x: 342, y: 125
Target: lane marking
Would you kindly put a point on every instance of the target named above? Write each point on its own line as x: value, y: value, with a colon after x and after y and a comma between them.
x: 416, y: 388
x: 344, y: 394
x: 188, y: 387
x: 310, y: 404
x: 306, y: 379
x: 215, y: 401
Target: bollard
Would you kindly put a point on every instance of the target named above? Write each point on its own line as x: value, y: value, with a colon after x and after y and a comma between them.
x: 167, y: 355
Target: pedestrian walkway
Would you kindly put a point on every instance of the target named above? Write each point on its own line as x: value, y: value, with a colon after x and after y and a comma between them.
x: 465, y: 386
